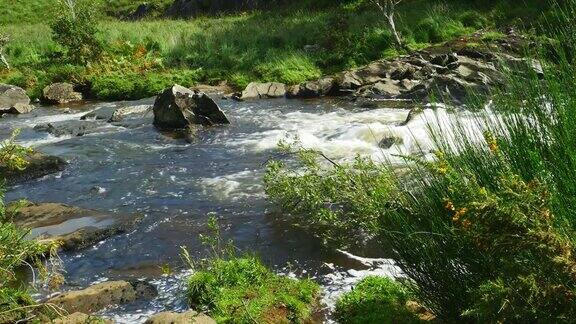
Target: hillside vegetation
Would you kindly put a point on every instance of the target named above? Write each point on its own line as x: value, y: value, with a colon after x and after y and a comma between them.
x: 289, y: 44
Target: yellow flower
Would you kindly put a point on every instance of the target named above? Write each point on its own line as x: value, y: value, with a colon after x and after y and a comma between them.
x: 461, y: 212
x: 466, y: 224
x: 492, y: 143
x: 448, y: 205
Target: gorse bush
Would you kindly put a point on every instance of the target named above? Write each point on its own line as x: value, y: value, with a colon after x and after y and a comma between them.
x: 240, y: 289
x: 485, y: 230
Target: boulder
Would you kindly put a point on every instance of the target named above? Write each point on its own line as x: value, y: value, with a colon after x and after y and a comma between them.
x: 20, y: 108
x: 348, y: 81
x: 13, y: 100
x: 389, y: 141
x: 312, y: 89
x: 256, y: 90
x: 143, y: 10
x: 81, y: 318
x: 444, y: 59
x: 60, y: 93
x: 96, y: 297
x: 39, y: 165
x: 73, y: 227
x: 189, y: 317
x: 387, y: 89
x: 179, y: 108
x: 68, y: 128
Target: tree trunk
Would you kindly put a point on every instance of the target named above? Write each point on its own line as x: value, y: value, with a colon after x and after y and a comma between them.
x: 3, y: 59
x: 392, y: 26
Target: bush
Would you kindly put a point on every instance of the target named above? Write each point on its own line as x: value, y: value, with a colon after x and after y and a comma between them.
x: 76, y: 29
x: 375, y: 300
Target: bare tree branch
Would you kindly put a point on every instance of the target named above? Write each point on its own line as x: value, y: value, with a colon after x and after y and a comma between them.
x: 388, y: 9
x: 4, y: 39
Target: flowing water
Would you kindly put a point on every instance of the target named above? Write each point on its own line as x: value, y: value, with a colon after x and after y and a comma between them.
x: 133, y: 169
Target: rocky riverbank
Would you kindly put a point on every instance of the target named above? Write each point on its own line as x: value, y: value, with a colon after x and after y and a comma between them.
x: 453, y: 72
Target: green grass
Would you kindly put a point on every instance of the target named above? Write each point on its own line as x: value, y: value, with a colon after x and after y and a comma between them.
x: 236, y: 288
x: 255, y: 46
x: 243, y: 290
x: 486, y: 230
x: 375, y: 300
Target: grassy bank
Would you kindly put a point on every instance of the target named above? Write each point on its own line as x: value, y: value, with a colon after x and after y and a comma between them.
x: 141, y: 57
x: 486, y: 230
x: 18, y: 253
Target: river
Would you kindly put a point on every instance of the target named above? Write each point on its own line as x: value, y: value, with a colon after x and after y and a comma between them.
x: 131, y: 168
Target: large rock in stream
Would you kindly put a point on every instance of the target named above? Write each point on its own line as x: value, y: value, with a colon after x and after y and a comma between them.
x: 73, y: 228
x: 14, y: 100
x: 180, y: 108
x: 39, y: 165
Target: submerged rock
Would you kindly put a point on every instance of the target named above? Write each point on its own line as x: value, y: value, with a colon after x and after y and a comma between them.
x: 389, y: 141
x: 256, y: 90
x: 60, y: 93
x: 98, y: 297
x: 73, y: 227
x: 116, y: 114
x: 68, y: 128
x: 189, y: 317
x: 14, y: 100
x: 39, y: 165
x: 179, y: 108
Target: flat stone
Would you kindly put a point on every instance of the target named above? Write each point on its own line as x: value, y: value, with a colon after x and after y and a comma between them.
x: 68, y: 128
x: 96, y: 297
x: 189, y: 317
x: 268, y: 90
x: 73, y: 228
